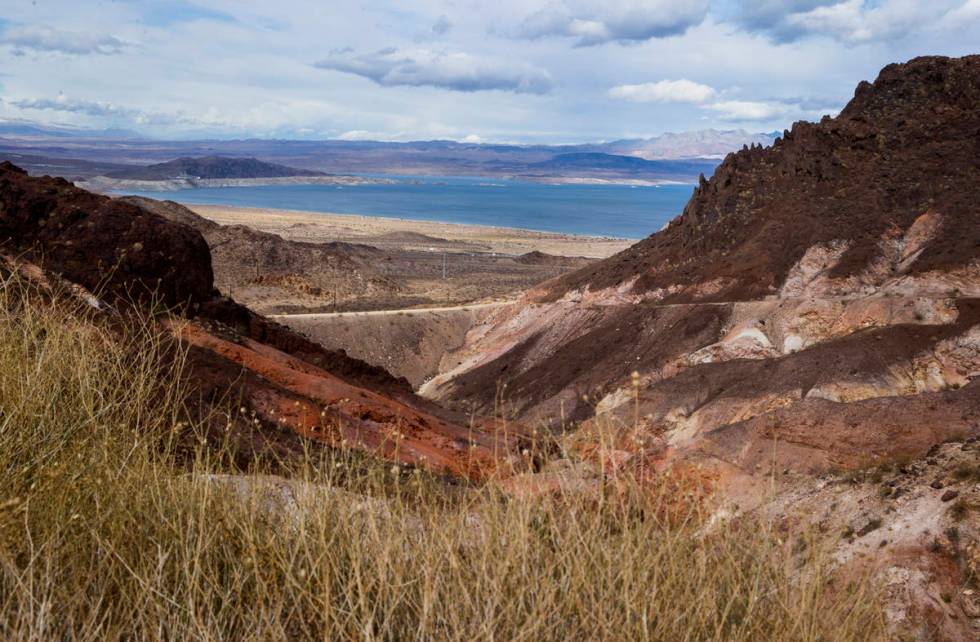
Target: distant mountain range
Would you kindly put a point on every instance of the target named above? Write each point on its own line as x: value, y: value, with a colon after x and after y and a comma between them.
x: 211, y: 167
x: 598, y: 163
x: 27, y: 128
x: 704, y: 143
x: 669, y: 157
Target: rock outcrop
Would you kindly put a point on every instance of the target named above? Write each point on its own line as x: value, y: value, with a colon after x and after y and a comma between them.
x: 106, y: 246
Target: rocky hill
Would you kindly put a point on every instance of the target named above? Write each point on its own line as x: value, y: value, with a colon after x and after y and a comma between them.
x: 903, y: 150
x: 211, y: 167
x: 207, y: 171
x: 102, y: 245
x: 269, y: 273
x: 864, y: 221
x: 124, y: 259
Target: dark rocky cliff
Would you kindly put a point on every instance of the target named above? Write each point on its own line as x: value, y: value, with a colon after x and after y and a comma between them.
x: 906, y: 144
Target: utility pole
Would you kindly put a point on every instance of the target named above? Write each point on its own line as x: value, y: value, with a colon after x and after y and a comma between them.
x: 443, y: 265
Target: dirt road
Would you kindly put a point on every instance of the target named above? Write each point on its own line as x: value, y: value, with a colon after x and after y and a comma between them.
x: 402, y: 311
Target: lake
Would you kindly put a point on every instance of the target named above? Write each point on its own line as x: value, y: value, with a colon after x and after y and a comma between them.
x: 598, y: 210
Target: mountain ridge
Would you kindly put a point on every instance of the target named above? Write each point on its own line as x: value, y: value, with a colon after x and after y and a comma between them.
x: 445, y: 158
x: 865, y: 221
x: 211, y: 167
x: 868, y: 159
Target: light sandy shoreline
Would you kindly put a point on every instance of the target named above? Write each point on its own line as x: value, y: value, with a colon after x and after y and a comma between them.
x: 375, y: 230
x: 105, y: 184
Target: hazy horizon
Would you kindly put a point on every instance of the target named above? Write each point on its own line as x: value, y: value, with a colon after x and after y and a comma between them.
x: 82, y: 130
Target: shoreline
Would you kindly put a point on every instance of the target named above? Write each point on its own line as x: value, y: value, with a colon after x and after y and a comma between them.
x: 104, y: 184
x: 302, y: 225
x: 107, y: 184
x: 401, y: 219
x: 588, y: 180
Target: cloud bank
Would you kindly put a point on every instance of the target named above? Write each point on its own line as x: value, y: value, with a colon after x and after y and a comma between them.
x: 90, y: 108
x: 726, y: 109
x: 749, y: 110
x: 45, y: 39
x: 457, y: 71
x: 441, y: 26
x: 852, y: 22
x: 527, y: 71
x: 664, y: 91
x: 623, y: 21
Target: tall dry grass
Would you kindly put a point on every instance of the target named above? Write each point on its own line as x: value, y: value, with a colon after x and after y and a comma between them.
x: 103, y: 536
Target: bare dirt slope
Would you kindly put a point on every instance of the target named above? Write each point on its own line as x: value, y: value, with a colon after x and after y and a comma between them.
x: 270, y: 273
x: 408, y: 343
x: 317, y: 267
x: 399, y: 233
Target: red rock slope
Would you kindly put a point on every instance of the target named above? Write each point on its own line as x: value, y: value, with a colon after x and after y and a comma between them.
x: 124, y: 255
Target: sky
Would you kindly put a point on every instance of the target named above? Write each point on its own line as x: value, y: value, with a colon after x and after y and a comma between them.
x: 524, y: 71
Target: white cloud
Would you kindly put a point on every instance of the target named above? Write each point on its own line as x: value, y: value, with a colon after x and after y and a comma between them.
x: 256, y: 119
x: 969, y: 11
x: 964, y: 19
x: 38, y: 38
x: 724, y: 108
x: 767, y: 15
x: 850, y: 21
x: 595, y: 23
x: 449, y: 70
x: 664, y: 91
x: 65, y: 104
x: 749, y: 110
x: 363, y: 134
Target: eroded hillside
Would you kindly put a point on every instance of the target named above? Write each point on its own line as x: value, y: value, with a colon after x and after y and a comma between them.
x: 838, y: 266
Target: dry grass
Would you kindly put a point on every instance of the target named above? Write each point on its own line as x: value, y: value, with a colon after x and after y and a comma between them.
x: 104, y: 536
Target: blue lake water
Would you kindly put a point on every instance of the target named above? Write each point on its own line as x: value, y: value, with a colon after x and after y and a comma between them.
x: 600, y: 210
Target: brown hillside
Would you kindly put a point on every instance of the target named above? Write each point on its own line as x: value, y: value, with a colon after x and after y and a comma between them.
x: 102, y: 244
x: 266, y: 271
x: 287, y: 386
x: 841, y: 264
x: 907, y: 144
x: 806, y: 335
